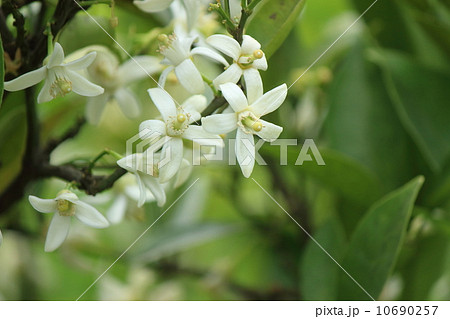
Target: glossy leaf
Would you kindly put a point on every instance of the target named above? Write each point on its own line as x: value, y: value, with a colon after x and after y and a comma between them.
x: 318, y: 273
x: 272, y: 21
x: 376, y: 242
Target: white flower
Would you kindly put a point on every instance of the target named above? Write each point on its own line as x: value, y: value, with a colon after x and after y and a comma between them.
x: 60, y: 78
x: 178, y: 56
x: 105, y: 71
x: 65, y: 205
x: 152, y: 5
x: 176, y: 126
x: 248, y: 58
x: 145, y: 167
x: 246, y: 118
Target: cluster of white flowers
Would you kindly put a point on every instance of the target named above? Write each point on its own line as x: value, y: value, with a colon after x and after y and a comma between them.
x: 167, y: 162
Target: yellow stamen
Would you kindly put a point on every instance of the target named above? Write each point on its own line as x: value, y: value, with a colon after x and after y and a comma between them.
x: 258, y: 54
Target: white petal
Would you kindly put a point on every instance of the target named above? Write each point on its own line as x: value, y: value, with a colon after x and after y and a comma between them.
x: 225, y: 44
x: 269, y: 132
x: 200, y: 136
x: 95, y: 106
x: 270, y: 101
x: 128, y: 103
x: 138, y: 68
x: 69, y: 196
x: 164, y: 102
x: 57, y: 57
x: 189, y: 77
x: 194, y: 106
x: 249, y: 45
x: 57, y: 232
x: 129, y: 163
x: 172, y: 153
x: 220, y: 123
x: 152, y: 129
x: 183, y: 173
x: 81, y: 63
x: 89, y: 215
x: 43, y: 205
x: 152, y: 5
x: 44, y: 94
x: 155, y: 188
x: 163, y: 76
x: 245, y: 152
x: 232, y: 74
x: 117, y: 210
x: 26, y: 80
x: 211, y: 54
x: 253, y: 85
x: 234, y: 96
x: 142, y: 191
x: 82, y: 86
x: 260, y: 64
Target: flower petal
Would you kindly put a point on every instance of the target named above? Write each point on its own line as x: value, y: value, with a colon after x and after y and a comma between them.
x: 225, y: 44
x: 142, y: 191
x: 95, y: 106
x: 164, y: 102
x: 183, y: 173
x: 189, y: 77
x: 163, y: 77
x: 44, y: 94
x: 26, y: 80
x: 155, y: 188
x: 260, y: 64
x: 152, y: 5
x: 57, y: 232
x: 128, y: 103
x: 57, y: 57
x: 138, y: 68
x: 249, y: 45
x: 117, y: 210
x: 220, y: 123
x: 270, y: 101
x: 172, y: 153
x: 152, y: 129
x: 232, y: 74
x: 82, y: 86
x: 211, y: 54
x: 43, y: 205
x: 90, y: 216
x: 82, y: 63
x: 194, y: 106
x: 253, y: 85
x: 269, y: 132
x: 198, y: 135
x: 245, y: 152
x: 234, y: 96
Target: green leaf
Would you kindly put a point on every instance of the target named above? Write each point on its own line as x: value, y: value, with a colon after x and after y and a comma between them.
x: 319, y: 275
x: 362, y: 122
x: 272, y: 21
x: 376, y: 242
x: 172, y: 239
x: 421, y: 96
x: 344, y: 175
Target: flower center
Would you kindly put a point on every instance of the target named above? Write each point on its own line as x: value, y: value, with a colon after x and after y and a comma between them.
x: 246, y: 61
x: 176, y: 125
x: 60, y: 87
x: 249, y: 123
x: 65, y: 208
x: 173, y: 48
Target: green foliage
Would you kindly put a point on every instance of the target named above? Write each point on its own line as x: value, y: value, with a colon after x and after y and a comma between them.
x: 376, y: 242
x: 272, y: 21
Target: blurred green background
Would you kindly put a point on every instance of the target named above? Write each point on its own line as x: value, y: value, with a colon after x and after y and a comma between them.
x: 376, y: 104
